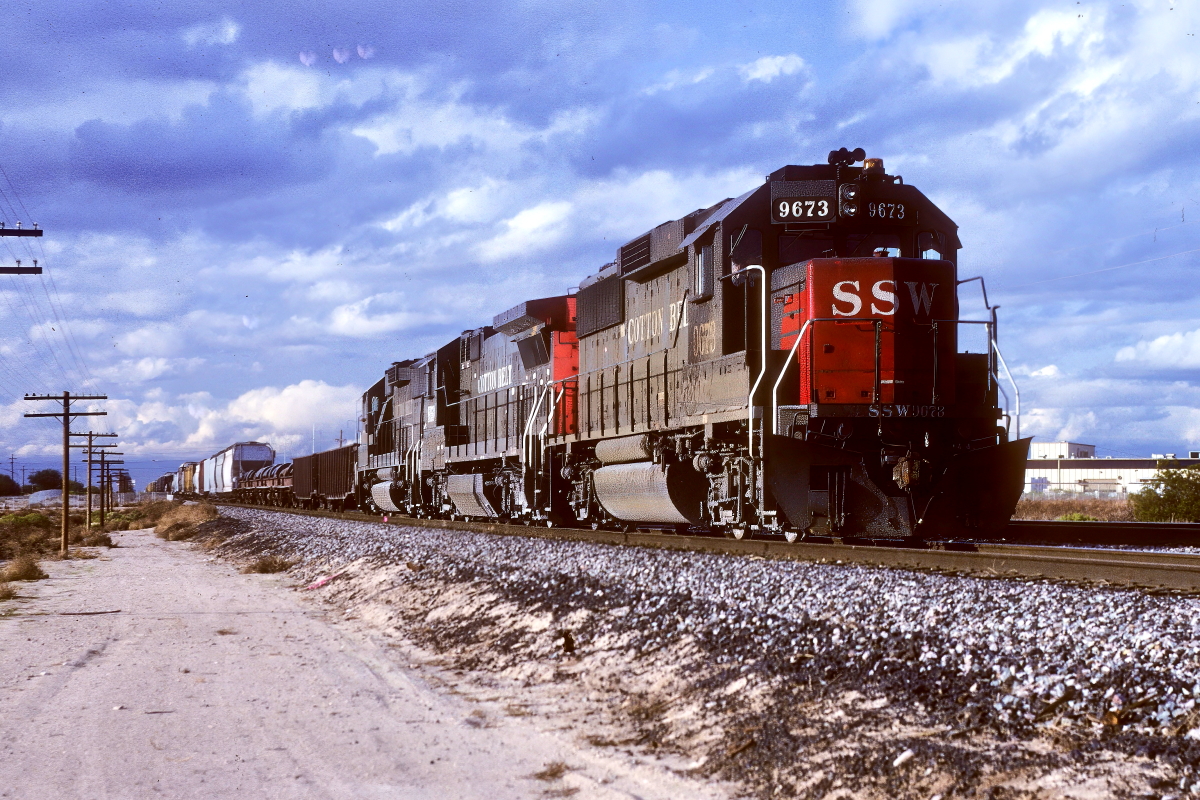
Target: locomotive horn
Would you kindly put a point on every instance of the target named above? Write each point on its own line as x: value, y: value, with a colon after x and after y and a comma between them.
x: 845, y: 158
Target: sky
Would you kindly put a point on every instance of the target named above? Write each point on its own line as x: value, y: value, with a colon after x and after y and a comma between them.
x: 250, y: 211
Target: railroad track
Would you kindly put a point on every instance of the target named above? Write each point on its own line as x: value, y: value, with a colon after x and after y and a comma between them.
x: 1179, y: 572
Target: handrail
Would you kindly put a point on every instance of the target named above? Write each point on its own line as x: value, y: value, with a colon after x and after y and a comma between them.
x: 1016, y: 389
x: 762, y: 372
x: 529, y: 424
x: 877, y: 323
x: 554, y: 401
x: 782, y: 373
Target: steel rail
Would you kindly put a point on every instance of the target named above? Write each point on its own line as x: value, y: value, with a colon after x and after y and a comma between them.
x: 1133, y: 568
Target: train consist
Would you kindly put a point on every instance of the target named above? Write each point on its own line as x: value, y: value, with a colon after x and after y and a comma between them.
x: 782, y: 363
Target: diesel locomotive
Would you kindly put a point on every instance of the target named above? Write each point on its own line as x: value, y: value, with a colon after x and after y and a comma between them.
x: 790, y: 362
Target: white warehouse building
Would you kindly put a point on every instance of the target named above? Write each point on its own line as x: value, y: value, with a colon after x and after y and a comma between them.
x: 1062, y: 467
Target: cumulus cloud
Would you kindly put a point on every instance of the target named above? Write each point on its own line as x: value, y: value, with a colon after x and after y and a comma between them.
x: 529, y: 231
x: 768, y: 68
x: 1171, y: 351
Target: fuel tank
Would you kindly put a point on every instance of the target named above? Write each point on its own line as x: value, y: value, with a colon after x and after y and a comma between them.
x: 381, y: 494
x: 647, y: 492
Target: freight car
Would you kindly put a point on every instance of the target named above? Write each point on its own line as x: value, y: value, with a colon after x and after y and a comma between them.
x: 785, y: 362
x: 266, y: 486
x: 325, y: 480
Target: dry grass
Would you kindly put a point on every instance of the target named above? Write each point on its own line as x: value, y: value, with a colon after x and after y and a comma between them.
x: 97, y: 539
x: 270, y: 564
x: 552, y: 771
x: 24, y: 568
x: 7, y: 592
x: 179, y: 523
x: 1090, y: 507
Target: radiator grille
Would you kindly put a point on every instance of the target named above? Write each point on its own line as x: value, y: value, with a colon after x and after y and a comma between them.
x: 600, y: 306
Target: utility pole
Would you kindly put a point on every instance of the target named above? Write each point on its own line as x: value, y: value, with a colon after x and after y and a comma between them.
x: 89, y: 448
x: 65, y: 398
x: 12, y: 467
x: 19, y: 231
x: 106, y: 480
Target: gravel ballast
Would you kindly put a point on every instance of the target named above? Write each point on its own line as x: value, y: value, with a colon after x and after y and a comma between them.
x: 792, y: 679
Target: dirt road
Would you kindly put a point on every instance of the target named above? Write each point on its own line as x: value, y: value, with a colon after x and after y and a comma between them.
x: 208, y: 683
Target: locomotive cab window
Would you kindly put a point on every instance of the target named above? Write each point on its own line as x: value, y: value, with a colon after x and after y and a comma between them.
x: 705, y: 275
x: 932, y: 245
x: 866, y: 245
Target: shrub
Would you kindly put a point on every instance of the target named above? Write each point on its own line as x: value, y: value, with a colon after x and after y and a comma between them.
x: 24, y: 568
x: 1172, y: 495
x: 1076, y: 516
x: 31, y: 533
x: 1060, y: 507
x: 179, y: 523
x: 270, y: 564
x: 97, y: 539
x: 7, y: 592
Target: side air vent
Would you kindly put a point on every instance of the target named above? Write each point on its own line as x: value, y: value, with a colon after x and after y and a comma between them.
x: 636, y: 254
x: 601, y: 305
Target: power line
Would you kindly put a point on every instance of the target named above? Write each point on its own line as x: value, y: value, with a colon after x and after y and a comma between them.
x: 1106, y: 269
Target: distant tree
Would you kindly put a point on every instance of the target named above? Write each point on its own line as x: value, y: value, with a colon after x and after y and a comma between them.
x: 45, y: 479
x: 8, y: 487
x: 75, y: 487
x: 1172, y: 495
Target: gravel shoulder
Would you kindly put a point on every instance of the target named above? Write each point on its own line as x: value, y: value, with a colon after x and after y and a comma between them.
x: 210, y: 683
x: 784, y: 678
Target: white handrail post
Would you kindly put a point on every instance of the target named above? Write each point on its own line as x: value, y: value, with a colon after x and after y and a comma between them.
x: 782, y: 373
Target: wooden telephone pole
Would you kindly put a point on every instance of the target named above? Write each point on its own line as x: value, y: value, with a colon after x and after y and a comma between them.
x: 88, y: 450
x: 105, y: 479
x: 66, y: 414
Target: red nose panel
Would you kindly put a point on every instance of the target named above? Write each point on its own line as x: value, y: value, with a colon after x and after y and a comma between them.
x: 876, y: 324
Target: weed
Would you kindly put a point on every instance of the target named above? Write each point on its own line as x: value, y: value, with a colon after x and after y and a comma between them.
x: 1077, y: 516
x: 7, y: 592
x: 552, y: 771
x: 24, y: 568
x: 270, y: 564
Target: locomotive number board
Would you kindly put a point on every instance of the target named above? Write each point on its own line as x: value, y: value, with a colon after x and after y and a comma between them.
x: 803, y: 209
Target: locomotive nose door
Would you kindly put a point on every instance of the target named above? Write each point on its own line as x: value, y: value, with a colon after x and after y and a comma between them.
x: 889, y: 316
x: 852, y: 303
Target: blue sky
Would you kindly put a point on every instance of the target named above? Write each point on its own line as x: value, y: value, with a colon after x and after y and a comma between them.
x: 251, y: 211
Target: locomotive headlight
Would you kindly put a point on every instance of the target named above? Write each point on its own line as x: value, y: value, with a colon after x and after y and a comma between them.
x: 848, y: 199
